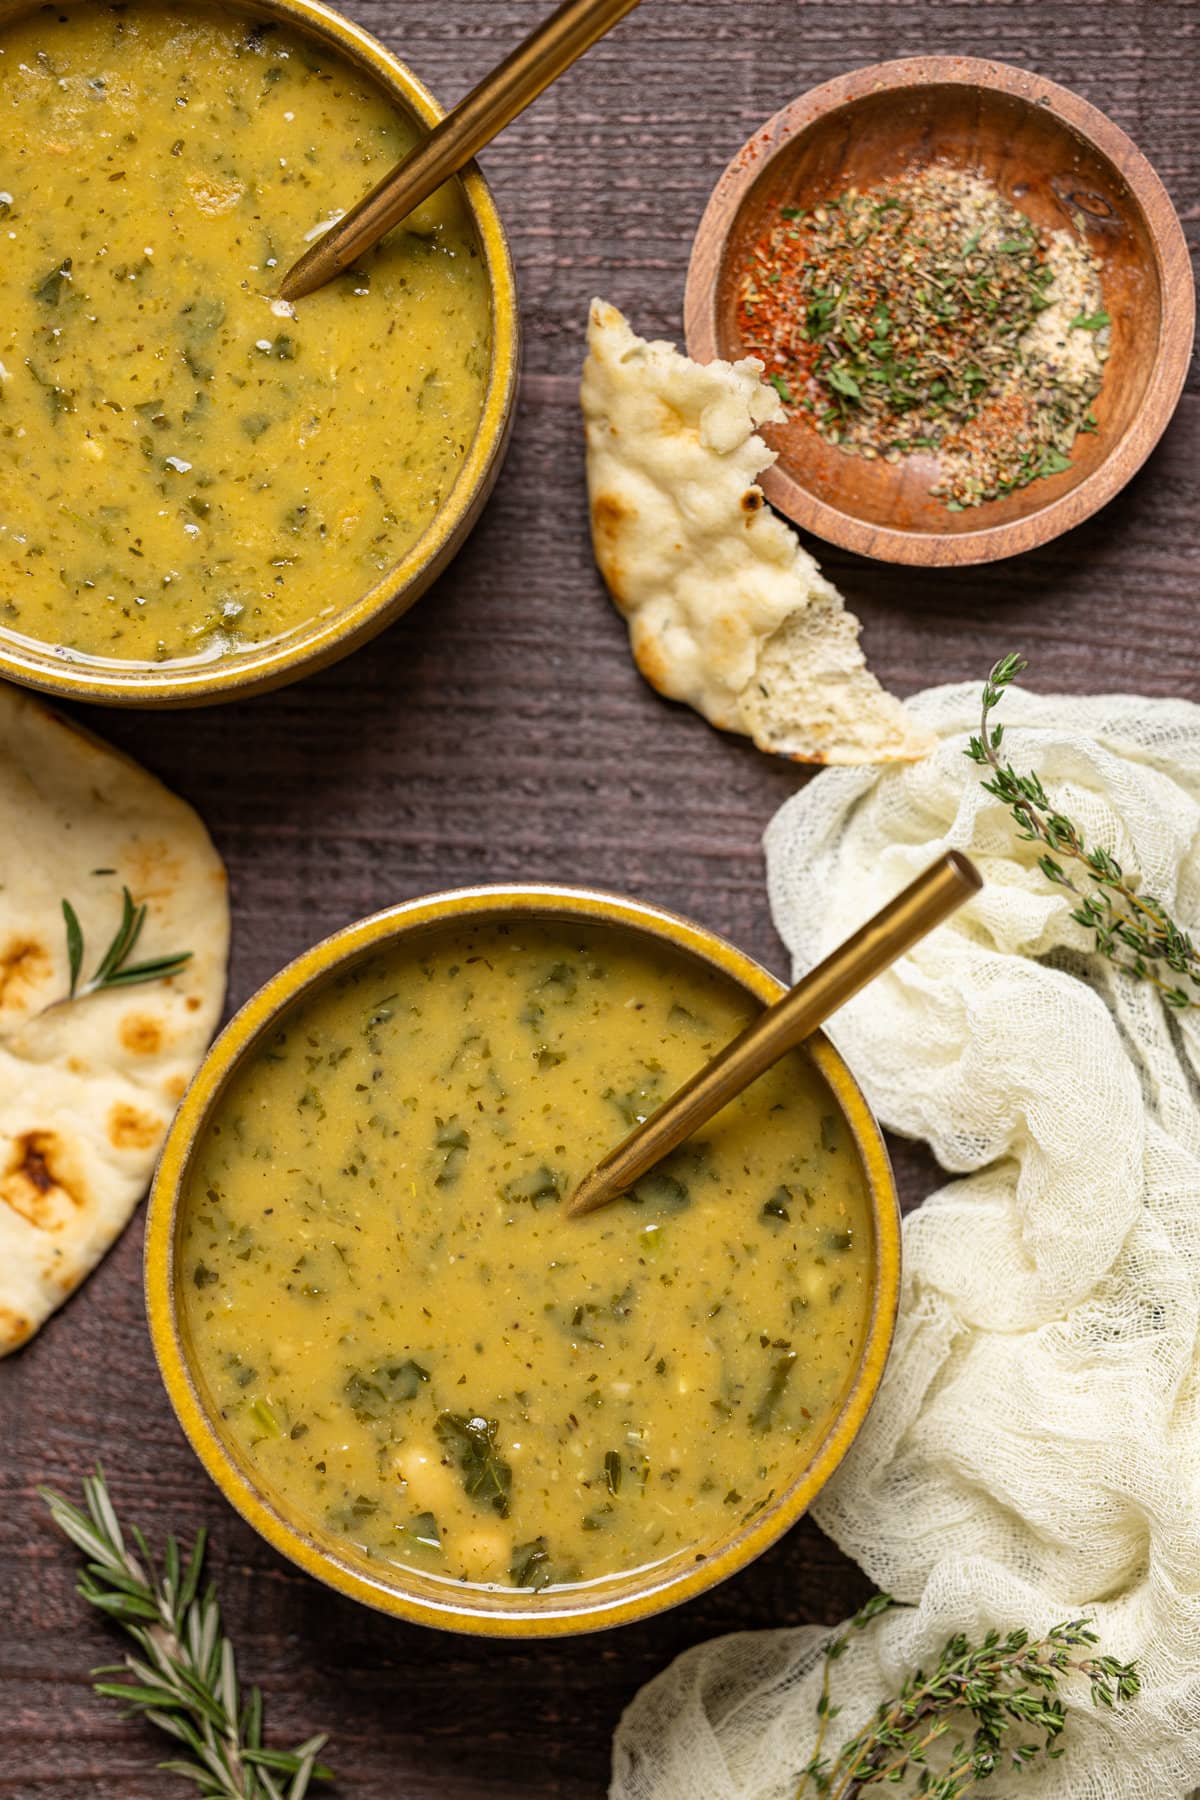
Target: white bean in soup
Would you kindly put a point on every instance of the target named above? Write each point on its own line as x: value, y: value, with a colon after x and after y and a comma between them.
x: 186, y: 468
x: 407, y: 1342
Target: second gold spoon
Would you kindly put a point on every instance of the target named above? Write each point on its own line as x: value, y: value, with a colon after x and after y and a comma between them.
x: 928, y: 900
x: 475, y: 121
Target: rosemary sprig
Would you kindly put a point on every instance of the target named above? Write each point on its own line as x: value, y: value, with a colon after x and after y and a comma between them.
x: 1008, y: 1685
x: 114, y: 968
x: 183, y: 1677
x: 1133, y: 930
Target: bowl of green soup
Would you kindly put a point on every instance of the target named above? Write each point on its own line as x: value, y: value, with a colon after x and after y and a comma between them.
x: 205, y: 492
x: 401, y: 1361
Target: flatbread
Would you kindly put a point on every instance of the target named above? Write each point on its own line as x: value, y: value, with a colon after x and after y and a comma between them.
x: 726, y: 609
x: 87, y: 1089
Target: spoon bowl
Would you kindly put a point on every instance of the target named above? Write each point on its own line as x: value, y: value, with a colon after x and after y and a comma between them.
x: 895, y: 928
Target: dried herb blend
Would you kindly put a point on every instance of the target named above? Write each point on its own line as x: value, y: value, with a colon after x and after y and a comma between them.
x: 929, y: 314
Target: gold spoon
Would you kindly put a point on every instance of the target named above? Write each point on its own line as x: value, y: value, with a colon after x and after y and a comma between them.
x: 475, y: 121
x: 928, y: 900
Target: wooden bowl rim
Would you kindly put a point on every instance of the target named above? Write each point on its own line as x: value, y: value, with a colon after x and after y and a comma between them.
x: 1171, y: 261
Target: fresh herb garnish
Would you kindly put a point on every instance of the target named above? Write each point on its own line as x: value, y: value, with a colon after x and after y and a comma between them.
x: 1004, y: 1685
x: 372, y: 1393
x: 50, y: 289
x: 533, y: 1567
x: 1133, y: 930
x: 763, y: 1416
x: 424, y: 1530
x: 486, y: 1477
x: 775, y: 1209
x: 661, y: 1191
x: 530, y: 1566
x: 58, y: 400
x: 182, y: 1677
x: 453, y: 1140
x: 266, y: 1418
x: 114, y: 968
x: 539, y: 1187
x: 641, y: 1098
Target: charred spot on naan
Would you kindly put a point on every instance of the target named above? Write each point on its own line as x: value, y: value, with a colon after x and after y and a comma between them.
x: 154, y: 871
x: 648, y: 655
x: 15, y: 1329
x: 129, y: 1129
x: 41, y: 1181
x: 141, y: 1034
x: 53, y: 1274
x: 670, y: 421
x: 26, y: 965
x: 610, y: 518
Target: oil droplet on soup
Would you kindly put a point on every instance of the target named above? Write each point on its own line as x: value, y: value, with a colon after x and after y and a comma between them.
x: 186, y: 468
x: 405, y: 1339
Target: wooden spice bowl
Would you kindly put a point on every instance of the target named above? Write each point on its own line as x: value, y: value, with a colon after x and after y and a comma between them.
x: 1060, y: 162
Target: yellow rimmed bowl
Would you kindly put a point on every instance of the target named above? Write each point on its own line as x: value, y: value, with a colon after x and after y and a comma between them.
x: 323, y: 641
x: 407, y: 1593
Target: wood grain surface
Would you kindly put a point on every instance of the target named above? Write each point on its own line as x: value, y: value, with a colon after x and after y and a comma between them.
x: 500, y: 731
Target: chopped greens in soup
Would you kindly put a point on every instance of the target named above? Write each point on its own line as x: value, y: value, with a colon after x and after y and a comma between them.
x: 187, y: 468
x: 408, y: 1342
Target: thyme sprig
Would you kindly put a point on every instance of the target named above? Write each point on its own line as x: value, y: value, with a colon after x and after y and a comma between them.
x: 1133, y: 930
x: 1007, y: 1684
x: 114, y: 968
x: 183, y: 1677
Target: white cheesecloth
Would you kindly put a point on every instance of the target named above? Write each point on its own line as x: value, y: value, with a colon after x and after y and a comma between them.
x: 1034, y: 1452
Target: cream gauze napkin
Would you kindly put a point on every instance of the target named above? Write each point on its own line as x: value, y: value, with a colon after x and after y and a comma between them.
x: 1034, y: 1452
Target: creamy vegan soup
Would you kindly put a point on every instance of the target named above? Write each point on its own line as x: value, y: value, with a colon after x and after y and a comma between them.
x: 406, y: 1340
x: 185, y: 468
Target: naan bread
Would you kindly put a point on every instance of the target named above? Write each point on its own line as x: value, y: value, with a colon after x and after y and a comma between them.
x: 726, y: 610
x: 87, y: 1089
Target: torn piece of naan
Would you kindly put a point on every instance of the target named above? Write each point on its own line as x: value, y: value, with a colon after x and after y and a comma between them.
x: 725, y: 607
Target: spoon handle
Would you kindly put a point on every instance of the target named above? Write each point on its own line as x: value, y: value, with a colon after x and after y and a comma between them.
x: 928, y: 900
x: 474, y: 122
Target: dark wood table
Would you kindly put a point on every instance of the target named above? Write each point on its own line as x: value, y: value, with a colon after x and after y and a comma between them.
x: 500, y: 732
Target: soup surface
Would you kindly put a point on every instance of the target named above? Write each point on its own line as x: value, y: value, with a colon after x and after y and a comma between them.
x: 408, y: 1342
x: 185, y: 468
